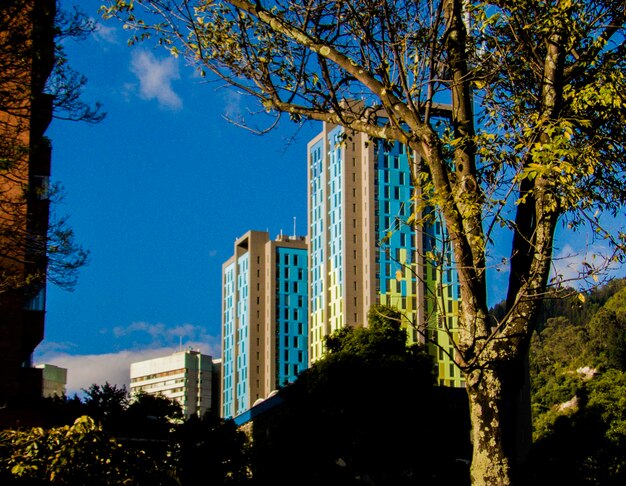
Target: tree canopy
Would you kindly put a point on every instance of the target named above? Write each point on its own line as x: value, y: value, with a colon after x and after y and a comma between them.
x: 533, y: 92
x: 366, y: 413
x: 110, y: 438
x: 578, y: 379
x: 75, y: 454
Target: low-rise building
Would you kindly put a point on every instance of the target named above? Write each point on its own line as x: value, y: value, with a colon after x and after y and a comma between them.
x: 54, y: 379
x: 185, y: 376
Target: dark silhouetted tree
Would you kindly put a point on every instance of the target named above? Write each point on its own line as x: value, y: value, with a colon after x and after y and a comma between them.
x: 212, y: 451
x: 367, y: 411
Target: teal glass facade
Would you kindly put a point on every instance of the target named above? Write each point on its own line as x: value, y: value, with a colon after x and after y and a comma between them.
x: 228, y: 339
x: 264, y: 318
x: 235, y: 333
x: 396, y: 275
x: 370, y: 246
x: 291, y: 314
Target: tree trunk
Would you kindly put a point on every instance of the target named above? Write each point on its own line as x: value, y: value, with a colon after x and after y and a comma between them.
x: 500, y: 419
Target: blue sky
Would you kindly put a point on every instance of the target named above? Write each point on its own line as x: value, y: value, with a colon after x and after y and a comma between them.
x: 158, y: 193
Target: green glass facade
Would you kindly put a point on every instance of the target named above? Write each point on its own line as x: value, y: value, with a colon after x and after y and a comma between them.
x: 368, y: 246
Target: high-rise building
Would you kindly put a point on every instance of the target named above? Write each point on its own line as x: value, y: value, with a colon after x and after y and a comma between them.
x: 185, y: 376
x: 372, y: 242
x: 264, y: 318
x: 26, y: 61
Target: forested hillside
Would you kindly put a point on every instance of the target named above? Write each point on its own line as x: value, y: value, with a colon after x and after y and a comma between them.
x: 578, y: 388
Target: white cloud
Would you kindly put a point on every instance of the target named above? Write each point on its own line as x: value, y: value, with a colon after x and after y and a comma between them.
x: 104, y: 34
x: 87, y: 369
x: 233, y: 109
x: 155, y: 78
x: 567, y: 263
x: 84, y: 370
x: 573, y: 266
x: 143, y: 340
x: 160, y: 335
x: 143, y: 327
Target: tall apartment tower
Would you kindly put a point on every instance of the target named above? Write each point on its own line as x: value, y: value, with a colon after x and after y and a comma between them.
x: 368, y: 246
x: 26, y: 61
x: 264, y: 318
x: 185, y: 376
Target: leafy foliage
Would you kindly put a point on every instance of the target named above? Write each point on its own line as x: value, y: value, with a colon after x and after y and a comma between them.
x: 78, y: 454
x: 578, y: 377
x: 584, y: 444
x: 112, y: 439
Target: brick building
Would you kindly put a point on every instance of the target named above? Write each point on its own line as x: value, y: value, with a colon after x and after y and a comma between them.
x: 26, y: 60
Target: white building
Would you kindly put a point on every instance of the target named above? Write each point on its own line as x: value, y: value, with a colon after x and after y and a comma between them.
x: 185, y: 376
x: 54, y: 379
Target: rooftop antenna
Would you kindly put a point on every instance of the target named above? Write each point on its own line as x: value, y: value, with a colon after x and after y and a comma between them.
x: 294, y: 227
x: 180, y: 343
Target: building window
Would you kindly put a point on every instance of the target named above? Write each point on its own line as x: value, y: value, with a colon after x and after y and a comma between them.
x: 37, y: 301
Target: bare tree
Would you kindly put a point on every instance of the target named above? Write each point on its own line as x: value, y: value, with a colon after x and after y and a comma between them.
x: 536, y: 136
